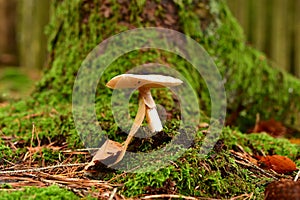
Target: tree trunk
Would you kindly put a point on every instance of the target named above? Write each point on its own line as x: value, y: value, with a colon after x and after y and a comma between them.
x: 252, y: 86
x: 8, y: 51
x: 33, y: 17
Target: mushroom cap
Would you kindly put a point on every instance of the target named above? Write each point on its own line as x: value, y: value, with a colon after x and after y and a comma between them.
x: 147, y: 81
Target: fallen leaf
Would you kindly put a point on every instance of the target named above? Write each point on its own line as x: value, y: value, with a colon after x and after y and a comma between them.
x: 107, y: 154
x: 279, y: 164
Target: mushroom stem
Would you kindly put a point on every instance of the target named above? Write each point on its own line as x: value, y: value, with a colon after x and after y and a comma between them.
x: 152, y: 116
x: 153, y: 120
x: 135, y: 126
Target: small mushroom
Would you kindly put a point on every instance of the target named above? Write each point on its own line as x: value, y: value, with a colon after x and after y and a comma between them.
x: 114, y: 151
x: 144, y: 83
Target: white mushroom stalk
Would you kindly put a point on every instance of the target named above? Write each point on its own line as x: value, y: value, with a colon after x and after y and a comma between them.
x: 152, y: 116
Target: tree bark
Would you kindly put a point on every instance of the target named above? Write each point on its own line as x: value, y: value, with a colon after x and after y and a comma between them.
x: 33, y: 17
x: 8, y: 51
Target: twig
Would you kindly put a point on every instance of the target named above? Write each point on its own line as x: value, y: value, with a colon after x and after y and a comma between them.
x: 74, y: 182
x: 113, y: 194
x: 174, y: 163
x: 13, y: 164
x: 37, y: 137
x: 31, y: 141
x: 79, y: 150
x: 168, y: 196
x: 41, y: 168
x: 43, y: 179
x: 249, y: 164
x: 297, y: 176
x: 10, y: 190
x: 116, y: 177
x: 247, y: 196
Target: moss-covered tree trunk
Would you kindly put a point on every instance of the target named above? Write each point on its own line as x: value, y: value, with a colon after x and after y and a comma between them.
x: 252, y: 86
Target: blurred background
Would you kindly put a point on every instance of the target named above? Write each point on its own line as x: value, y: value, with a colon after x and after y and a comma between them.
x: 23, y: 45
x: 272, y: 26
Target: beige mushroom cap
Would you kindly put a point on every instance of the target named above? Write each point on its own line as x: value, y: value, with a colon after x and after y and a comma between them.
x: 137, y: 80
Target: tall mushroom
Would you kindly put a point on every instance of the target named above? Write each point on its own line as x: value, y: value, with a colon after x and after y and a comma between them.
x: 144, y: 83
x: 147, y: 107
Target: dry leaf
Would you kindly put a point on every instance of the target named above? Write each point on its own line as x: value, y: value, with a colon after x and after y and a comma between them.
x: 279, y: 164
x: 107, y: 154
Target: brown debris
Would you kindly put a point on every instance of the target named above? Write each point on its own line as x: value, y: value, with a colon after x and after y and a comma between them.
x: 275, y: 167
x: 279, y: 164
x: 283, y: 189
x: 81, y: 186
x: 242, y: 154
x: 271, y: 126
x: 107, y: 153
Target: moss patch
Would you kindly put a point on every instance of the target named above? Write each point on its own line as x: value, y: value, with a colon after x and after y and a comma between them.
x: 52, y: 192
x: 215, y: 176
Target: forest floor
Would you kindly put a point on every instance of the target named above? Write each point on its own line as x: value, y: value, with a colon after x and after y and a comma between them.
x: 56, y: 168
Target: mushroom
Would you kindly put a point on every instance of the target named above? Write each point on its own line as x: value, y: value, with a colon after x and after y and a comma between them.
x: 147, y: 107
x: 144, y: 83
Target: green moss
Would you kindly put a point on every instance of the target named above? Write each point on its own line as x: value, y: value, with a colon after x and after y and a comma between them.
x: 261, y: 143
x: 217, y: 176
x: 14, y: 83
x: 51, y: 124
x: 5, y: 151
x: 53, y: 192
